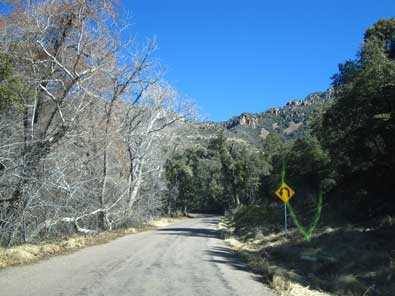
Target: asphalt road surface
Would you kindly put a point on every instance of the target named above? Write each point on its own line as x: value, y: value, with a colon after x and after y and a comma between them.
x: 188, y: 258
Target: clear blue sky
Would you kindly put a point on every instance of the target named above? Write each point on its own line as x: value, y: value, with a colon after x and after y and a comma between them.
x: 237, y: 56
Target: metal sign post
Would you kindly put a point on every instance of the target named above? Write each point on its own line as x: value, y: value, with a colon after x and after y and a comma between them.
x: 285, y: 219
x: 285, y: 193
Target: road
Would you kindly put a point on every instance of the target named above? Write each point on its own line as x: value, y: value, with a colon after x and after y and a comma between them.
x: 185, y: 258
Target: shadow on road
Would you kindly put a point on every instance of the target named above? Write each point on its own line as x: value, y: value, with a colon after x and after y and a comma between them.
x: 218, y: 255
x: 202, y: 232
x: 211, y: 221
x: 225, y: 255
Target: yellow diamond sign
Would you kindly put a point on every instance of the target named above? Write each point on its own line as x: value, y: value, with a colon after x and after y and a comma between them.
x: 285, y: 193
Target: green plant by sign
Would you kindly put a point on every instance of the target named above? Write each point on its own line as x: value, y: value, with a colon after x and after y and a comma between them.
x: 307, y: 233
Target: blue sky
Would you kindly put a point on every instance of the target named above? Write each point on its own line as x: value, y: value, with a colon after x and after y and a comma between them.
x: 236, y: 56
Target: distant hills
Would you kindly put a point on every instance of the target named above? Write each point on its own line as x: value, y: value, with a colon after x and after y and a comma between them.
x: 289, y: 121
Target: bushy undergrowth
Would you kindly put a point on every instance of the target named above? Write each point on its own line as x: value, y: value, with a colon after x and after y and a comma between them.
x: 346, y: 259
x: 255, y: 218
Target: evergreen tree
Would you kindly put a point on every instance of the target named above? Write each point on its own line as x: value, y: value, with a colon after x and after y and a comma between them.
x: 359, y: 129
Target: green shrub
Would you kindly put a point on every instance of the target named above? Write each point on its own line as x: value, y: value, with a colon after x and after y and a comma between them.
x: 249, y: 217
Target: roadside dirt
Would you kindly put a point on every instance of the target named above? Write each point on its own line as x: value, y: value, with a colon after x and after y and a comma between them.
x: 30, y: 253
x: 347, y: 260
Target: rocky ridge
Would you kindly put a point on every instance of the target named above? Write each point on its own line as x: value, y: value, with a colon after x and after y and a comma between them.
x: 290, y: 122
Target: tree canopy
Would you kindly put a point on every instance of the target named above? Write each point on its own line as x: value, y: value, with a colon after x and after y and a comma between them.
x: 359, y: 129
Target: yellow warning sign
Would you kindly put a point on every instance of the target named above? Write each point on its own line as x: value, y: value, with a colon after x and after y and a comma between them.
x: 285, y: 193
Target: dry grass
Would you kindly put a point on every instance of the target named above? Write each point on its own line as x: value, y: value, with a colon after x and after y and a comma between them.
x: 348, y: 260
x: 30, y: 253
x: 278, y: 276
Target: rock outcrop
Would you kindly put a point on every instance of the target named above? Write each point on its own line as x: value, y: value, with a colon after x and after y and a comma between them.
x: 294, y: 103
x: 292, y: 127
x: 264, y: 133
x: 245, y: 119
x: 275, y: 111
x: 289, y: 121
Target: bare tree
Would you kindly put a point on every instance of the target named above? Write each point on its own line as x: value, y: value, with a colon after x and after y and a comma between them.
x: 83, y: 151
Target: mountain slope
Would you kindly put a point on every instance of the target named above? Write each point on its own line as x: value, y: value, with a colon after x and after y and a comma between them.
x: 290, y: 122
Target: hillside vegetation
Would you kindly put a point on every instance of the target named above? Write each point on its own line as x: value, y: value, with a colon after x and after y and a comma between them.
x: 342, y: 146
x: 93, y: 139
x: 345, y: 148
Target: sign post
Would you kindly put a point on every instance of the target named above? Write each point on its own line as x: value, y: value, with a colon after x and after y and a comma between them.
x: 285, y: 218
x: 285, y: 193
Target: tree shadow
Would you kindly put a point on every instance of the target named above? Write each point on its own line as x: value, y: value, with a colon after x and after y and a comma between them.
x: 200, y: 232
x: 225, y: 255
x: 217, y: 255
x: 211, y: 221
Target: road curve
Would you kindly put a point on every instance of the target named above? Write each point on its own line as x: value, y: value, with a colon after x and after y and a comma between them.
x: 185, y: 258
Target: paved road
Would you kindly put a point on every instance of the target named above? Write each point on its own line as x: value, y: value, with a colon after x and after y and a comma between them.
x: 187, y: 258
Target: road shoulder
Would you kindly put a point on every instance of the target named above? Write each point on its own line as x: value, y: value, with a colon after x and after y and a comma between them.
x: 32, y: 253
